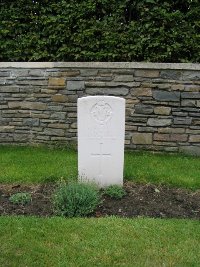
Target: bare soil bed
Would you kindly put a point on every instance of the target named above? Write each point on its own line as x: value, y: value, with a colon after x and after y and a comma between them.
x: 141, y: 200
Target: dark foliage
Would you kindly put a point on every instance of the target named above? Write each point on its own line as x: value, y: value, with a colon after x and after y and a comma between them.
x: 100, y: 30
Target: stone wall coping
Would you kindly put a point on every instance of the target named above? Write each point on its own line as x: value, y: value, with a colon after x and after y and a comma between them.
x: 101, y: 65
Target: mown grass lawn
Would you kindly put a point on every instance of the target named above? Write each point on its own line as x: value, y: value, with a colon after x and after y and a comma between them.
x: 40, y: 164
x: 31, y: 241
x: 98, y: 242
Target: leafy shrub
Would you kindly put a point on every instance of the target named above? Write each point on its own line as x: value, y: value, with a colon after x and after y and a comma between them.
x: 115, y: 191
x: 20, y: 198
x: 103, y: 30
x: 75, y: 199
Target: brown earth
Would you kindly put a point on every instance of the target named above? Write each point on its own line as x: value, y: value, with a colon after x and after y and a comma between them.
x: 141, y: 200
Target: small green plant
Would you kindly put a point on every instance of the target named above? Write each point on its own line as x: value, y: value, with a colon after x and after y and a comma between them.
x: 115, y: 191
x: 21, y: 198
x: 75, y: 199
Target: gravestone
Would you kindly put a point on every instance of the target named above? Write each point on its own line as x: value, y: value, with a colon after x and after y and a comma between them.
x: 101, y: 130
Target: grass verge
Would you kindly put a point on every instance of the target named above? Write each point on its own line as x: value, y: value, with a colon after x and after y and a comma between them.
x: 30, y: 241
x: 40, y: 164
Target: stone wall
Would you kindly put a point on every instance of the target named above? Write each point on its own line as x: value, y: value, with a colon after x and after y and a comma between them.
x: 38, y: 102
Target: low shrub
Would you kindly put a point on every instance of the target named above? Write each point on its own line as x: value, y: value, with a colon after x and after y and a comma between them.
x: 115, y: 191
x: 75, y: 199
x: 21, y: 198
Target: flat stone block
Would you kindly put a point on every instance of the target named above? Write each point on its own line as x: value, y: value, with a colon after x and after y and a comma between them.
x: 171, y: 130
x: 190, y: 95
x: 7, y: 129
x: 123, y: 78
x: 75, y: 85
x: 184, y: 121
x: 107, y: 91
x: 170, y: 74
x: 56, y: 82
x: 31, y: 122
x: 33, y: 105
x: 194, y: 138
x: 142, y: 138
x: 52, y: 131
x: 171, y: 137
x: 59, y: 98
x: 141, y: 91
x: 162, y: 110
x: 159, y: 122
x: 166, y: 95
x: 191, y: 75
x: 147, y: 73
x: 143, y: 109
x: 89, y: 72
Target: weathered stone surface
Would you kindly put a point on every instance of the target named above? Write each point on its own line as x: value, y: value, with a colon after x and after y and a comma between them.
x: 162, y: 110
x: 58, y: 125
x: 184, y: 121
x: 21, y: 137
x: 52, y: 131
x: 179, y: 87
x: 166, y: 95
x: 56, y: 82
x: 194, y: 138
x: 159, y: 122
x: 147, y: 73
x: 7, y: 129
x: 36, y: 72
x: 38, y: 93
x: 58, y: 115
x: 142, y: 138
x: 33, y: 105
x: 59, y: 98
x: 112, y: 84
x: 75, y: 85
x: 191, y: 75
x: 170, y: 74
x: 108, y: 91
x: 190, y: 95
x: 171, y: 137
x: 32, y: 82
x: 10, y: 89
x: 147, y: 129
x: 89, y: 72
x: 123, y: 78
x: 171, y: 130
x: 31, y: 122
x: 189, y: 103
x: 143, y: 109
x: 141, y: 91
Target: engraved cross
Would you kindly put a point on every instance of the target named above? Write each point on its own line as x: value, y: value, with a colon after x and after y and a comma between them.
x: 101, y: 155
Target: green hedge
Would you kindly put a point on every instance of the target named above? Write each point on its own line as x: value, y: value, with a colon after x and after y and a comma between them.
x: 102, y: 30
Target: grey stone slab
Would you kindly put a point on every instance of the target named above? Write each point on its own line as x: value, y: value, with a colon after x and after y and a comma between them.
x: 166, y: 95
x: 159, y: 122
x: 75, y: 85
x: 143, y: 109
x: 191, y: 75
x: 191, y: 95
x: 107, y: 91
x: 31, y: 122
x: 170, y: 74
x: 182, y: 121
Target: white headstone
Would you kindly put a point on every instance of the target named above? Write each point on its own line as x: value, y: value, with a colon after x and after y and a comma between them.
x: 101, y: 130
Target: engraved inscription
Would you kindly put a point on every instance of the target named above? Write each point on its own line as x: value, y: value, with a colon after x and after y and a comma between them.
x: 101, y: 112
